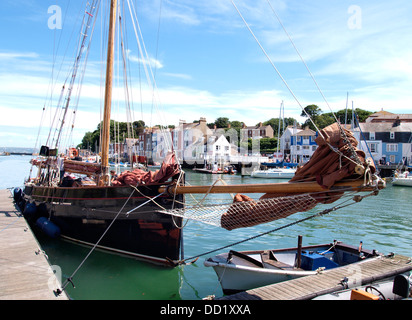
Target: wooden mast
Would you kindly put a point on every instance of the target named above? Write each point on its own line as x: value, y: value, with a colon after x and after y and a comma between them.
x: 108, y: 94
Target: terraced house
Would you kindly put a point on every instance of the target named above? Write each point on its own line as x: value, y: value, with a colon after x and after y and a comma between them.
x: 388, y: 137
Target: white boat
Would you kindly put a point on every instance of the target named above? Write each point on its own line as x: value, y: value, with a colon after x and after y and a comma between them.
x: 402, y: 179
x: 274, y: 173
x: 398, y: 287
x: 240, y: 271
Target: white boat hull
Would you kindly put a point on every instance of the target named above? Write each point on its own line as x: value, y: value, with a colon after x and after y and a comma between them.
x: 274, y: 174
x: 240, y: 278
x: 406, y: 182
x: 241, y: 271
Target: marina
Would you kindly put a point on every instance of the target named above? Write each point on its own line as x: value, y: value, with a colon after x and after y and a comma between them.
x: 125, y: 213
x: 384, y: 224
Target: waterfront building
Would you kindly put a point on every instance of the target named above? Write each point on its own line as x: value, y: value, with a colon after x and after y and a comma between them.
x: 387, y: 137
x: 303, y: 145
x: 256, y: 132
x: 298, y: 144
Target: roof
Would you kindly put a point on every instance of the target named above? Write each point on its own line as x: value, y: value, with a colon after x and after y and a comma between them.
x: 381, y: 113
x: 383, y: 116
x: 306, y: 132
x: 385, y: 127
x: 256, y: 127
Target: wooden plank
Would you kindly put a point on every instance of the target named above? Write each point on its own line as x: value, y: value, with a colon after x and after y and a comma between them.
x: 24, y: 274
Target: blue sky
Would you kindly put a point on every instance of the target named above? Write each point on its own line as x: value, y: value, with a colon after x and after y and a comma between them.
x: 207, y: 64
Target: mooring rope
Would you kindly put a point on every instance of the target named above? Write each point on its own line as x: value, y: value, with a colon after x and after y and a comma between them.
x: 70, y: 279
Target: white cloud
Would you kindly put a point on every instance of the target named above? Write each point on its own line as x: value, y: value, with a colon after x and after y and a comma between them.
x: 16, y: 55
x: 372, y: 63
x: 152, y: 62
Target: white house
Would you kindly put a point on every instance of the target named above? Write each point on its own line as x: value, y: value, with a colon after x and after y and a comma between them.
x: 218, y: 150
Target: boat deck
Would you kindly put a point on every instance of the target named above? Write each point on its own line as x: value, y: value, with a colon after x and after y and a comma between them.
x: 329, y: 281
x: 25, y: 273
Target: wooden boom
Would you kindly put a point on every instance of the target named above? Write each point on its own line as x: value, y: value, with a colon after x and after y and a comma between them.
x: 286, y: 187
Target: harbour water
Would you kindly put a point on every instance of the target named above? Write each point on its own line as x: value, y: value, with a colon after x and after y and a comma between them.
x: 381, y: 222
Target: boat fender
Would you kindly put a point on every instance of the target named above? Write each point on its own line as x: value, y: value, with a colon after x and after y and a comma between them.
x: 30, y: 211
x: 17, y: 194
x: 48, y: 227
x: 22, y: 204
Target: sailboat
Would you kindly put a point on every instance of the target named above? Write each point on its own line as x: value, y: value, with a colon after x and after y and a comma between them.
x: 140, y: 214
x: 83, y: 210
x: 279, y: 171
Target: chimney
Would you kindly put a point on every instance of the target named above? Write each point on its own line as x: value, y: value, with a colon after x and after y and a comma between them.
x: 397, y: 122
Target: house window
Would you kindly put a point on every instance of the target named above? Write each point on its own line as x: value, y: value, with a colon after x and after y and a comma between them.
x: 217, y: 148
x: 391, y: 147
x: 371, y: 135
x: 392, y: 135
x: 372, y: 147
x: 392, y: 158
x: 226, y: 148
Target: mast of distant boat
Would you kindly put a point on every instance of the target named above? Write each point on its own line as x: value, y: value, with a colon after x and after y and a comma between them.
x: 108, y: 96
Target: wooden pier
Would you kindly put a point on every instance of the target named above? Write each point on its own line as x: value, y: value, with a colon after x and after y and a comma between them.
x: 329, y: 281
x: 25, y: 273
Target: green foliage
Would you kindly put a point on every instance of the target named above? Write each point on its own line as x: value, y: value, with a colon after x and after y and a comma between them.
x: 91, y: 140
x: 268, y: 145
x: 322, y: 120
x: 276, y: 122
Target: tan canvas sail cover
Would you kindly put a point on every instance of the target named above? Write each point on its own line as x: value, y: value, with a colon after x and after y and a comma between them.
x: 335, y: 159
x: 168, y: 169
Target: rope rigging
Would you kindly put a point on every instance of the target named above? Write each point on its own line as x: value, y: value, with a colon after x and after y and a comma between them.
x: 324, y: 212
x: 354, y: 156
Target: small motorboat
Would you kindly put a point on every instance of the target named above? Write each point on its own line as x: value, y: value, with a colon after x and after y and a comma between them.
x: 240, y: 271
x: 274, y: 173
x: 403, y: 179
x: 398, y: 287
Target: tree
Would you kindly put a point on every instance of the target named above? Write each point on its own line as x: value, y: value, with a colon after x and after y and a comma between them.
x: 312, y: 112
x: 222, y: 122
x: 118, y: 130
x: 268, y: 145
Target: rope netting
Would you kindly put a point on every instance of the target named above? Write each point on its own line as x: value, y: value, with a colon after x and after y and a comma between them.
x: 247, y: 212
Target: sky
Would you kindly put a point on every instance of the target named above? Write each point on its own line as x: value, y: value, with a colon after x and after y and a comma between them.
x: 206, y: 62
